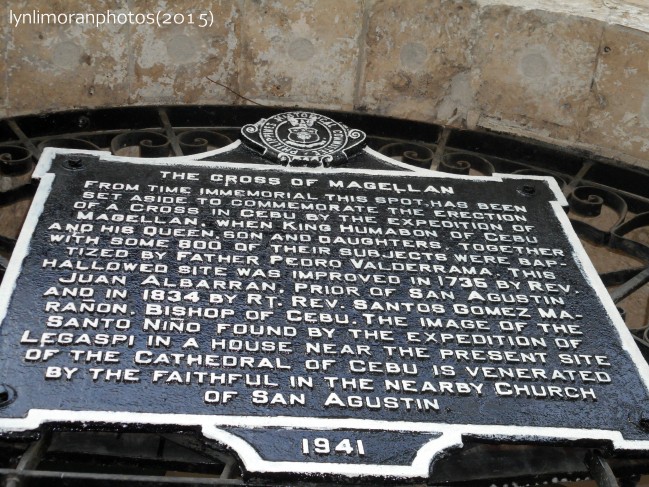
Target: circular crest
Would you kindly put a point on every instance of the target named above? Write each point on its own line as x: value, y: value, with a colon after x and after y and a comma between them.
x: 303, y: 139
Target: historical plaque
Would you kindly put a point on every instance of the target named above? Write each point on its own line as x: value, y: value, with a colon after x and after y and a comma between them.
x: 308, y: 317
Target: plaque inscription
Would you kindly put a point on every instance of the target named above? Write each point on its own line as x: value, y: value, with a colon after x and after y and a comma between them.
x: 308, y: 318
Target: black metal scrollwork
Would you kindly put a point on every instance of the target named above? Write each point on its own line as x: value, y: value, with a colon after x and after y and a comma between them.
x: 415, y: 154
x: 151, y: 144
x: 619, y: 239
x: 197, y: 141
x: 588, y: 201
x: 463, y: 162
x: 15, y: 160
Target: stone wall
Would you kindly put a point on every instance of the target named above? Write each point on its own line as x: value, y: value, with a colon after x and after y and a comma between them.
x: 576, y: 75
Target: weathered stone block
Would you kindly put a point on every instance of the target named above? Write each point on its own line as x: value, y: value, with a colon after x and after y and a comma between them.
x: 619, y: 103
x: 174, y: 62
x: 302, y: 52
x: 63, y: 65
x: 418, y: 54
x: 534, y: 68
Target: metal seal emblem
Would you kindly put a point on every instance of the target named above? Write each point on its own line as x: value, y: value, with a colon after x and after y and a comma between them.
x: 303, y: 139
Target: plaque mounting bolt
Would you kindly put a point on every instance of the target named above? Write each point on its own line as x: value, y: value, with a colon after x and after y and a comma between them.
x: 7, y: 395
x: 527, y: 190
x: 74, y: 163
x: 643, y: 423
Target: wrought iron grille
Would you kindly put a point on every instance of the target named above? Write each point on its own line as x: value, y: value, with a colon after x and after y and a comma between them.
x: 609, y: 208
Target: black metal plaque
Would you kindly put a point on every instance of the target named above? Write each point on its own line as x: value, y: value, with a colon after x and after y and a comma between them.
x: 315, y: 321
